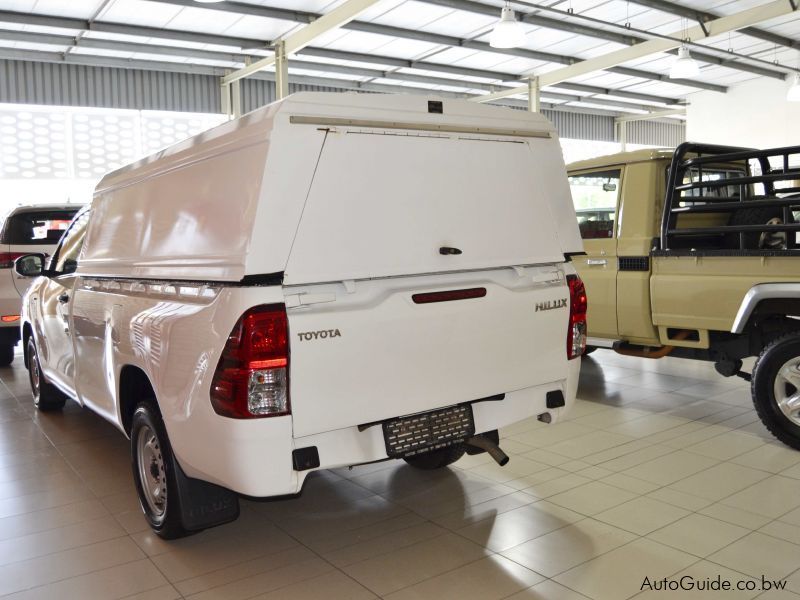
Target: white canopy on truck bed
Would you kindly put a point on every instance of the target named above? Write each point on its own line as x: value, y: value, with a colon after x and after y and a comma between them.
x: 332, y: 187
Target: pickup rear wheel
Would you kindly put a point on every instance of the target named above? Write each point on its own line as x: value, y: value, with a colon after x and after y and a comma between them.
x: 46, y: 396
x: 153, y: 473
x: 776, y: 388
x: 436, y: 459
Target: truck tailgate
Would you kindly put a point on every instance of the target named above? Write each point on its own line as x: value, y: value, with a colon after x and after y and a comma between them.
x: 369, y: 351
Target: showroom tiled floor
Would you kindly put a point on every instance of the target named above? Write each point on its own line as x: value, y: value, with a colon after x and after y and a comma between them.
x: 661, y: 470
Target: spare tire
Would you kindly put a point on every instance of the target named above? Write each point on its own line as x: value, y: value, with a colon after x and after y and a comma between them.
x: 759, y: 240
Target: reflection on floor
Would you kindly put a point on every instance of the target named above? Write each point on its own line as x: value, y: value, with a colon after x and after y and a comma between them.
x: 662, y: 470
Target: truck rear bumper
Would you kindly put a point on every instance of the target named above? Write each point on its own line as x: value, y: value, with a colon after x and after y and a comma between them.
x: 254, y: 458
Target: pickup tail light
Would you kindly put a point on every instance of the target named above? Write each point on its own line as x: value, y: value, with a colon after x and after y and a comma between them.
x: 252, y: 377
x: 576, y: 334
x: 7, y: 259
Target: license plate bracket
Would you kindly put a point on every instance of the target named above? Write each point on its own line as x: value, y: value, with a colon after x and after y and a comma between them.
x: 407, y: 436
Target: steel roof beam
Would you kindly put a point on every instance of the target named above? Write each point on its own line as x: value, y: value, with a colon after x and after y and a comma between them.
x: 336, y: 18
x: 429, y: 66
x: 433, y: 38
x: 8, y: 16
x: 65, y: 40
x: 148, y: 32
x: 103, y: 44
x: 744, y: 18
x: 626, y: 39
x: 704, y: 16
x: 105, y: 61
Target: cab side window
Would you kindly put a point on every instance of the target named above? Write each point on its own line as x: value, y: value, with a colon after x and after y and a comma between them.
x: 595, y: 197
x: 65, y: 259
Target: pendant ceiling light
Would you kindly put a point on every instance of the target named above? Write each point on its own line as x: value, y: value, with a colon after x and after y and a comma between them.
x: 793, y: 95
x: 684, y: 66
x: 508, y: 32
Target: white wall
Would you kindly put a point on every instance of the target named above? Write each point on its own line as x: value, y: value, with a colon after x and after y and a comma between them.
x: 753, y: 114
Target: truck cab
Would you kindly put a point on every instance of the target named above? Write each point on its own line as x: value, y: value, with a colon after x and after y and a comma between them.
x: 696, y: 256
x: 616, y: 266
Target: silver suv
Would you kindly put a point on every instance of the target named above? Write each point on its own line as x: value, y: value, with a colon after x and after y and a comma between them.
x: 25, y: 229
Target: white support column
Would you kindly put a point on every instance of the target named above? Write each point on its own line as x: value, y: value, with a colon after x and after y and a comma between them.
x: 623, y: 134
x: 236, y: 99
x: 281, y: 70
x: 226, y: 106
x: 342, y: 14
x: 534, y: 96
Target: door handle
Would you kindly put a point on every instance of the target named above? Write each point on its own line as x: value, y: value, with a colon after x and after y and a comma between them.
x: 63, y: 298
x: 601, y: 262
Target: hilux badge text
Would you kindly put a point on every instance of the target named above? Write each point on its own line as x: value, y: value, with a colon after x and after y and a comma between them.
x: 551, y: 304
x: 322, y: 334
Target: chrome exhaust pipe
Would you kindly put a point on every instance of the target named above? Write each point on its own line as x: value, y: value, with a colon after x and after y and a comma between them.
x: 484, y: 443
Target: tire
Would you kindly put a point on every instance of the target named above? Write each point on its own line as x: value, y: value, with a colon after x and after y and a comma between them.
x: 775, y: 388
x: 759, y: 240
x: 153, y: 472
x: 46, y: 397
x: 6, y: 355
x: 589, y: 350
x: 436, y: 459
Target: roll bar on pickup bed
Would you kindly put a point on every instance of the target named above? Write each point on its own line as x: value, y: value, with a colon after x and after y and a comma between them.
x: 732, y: 186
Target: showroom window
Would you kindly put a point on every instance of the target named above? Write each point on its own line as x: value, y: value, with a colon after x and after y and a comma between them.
x: 53, y: 154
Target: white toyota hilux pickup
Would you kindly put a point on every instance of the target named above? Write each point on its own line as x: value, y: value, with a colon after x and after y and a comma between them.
x: 330, y: 280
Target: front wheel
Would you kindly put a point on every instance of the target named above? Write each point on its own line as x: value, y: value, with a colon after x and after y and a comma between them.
x: 776, y: 388
x: 153, y: 472
x: 46, y: 396
x: 436, y: 459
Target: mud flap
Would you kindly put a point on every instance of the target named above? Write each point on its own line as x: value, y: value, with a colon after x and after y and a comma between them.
x: 204, y: 504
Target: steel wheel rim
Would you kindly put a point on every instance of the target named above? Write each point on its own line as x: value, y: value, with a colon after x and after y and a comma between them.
x: 152, y: 474
x: 787, y: 389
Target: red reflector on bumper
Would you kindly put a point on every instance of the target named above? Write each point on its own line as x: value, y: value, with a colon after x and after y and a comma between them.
x: 449, y: 295
x: 9, y: 318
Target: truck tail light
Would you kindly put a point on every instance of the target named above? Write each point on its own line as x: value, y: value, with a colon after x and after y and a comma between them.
x: 576, y: 334
x: 7, y: 259
x: 252, y: 377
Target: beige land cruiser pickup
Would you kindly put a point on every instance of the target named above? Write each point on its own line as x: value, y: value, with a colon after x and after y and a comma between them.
x: 696, y: 254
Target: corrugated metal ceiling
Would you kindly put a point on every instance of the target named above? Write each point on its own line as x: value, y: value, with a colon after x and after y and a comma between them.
x: 447, y: 32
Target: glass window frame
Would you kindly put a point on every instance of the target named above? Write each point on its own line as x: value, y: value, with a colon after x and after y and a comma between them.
x: 78, y: 221
x: 619, y: 170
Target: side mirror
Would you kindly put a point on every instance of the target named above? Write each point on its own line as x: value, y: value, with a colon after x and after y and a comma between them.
x: 30, y: 265
x: 70, y: 266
